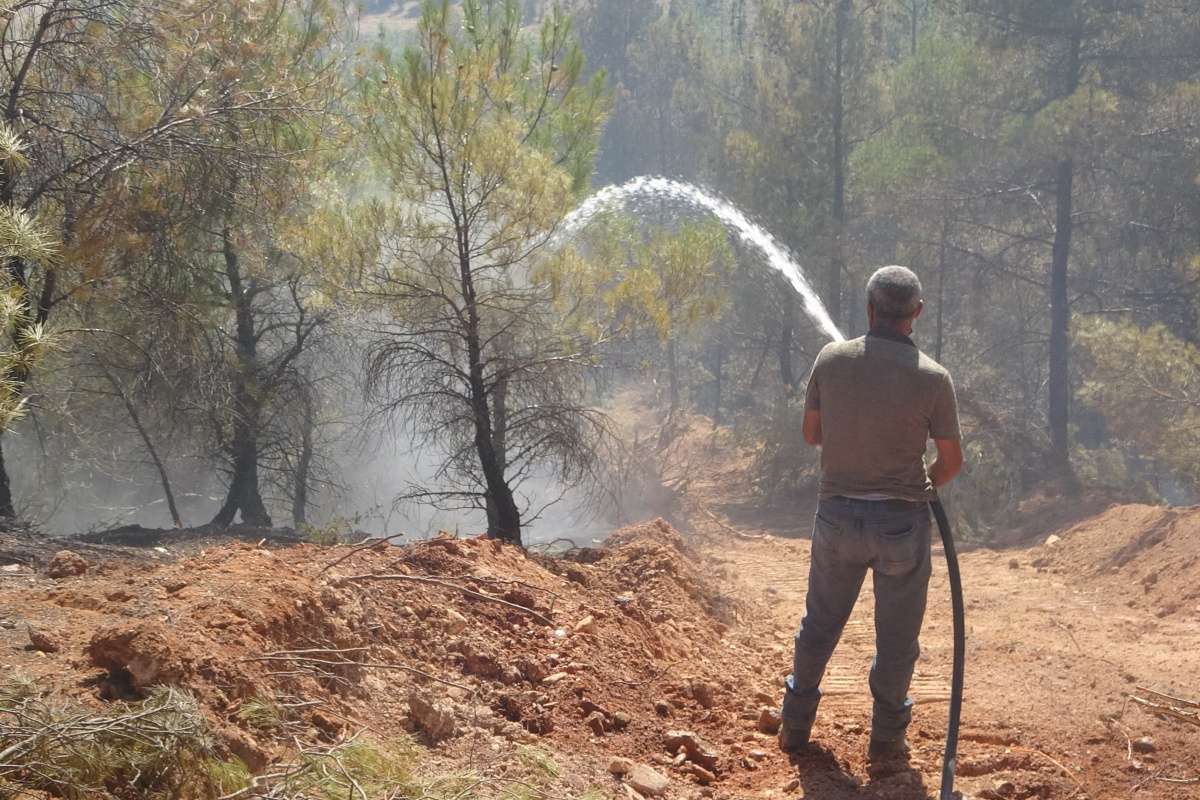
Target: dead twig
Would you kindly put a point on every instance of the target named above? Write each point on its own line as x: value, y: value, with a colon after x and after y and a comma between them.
x: 1167, y: 710
x: 317, y: 665
x: 651, y: 679
x: 464, y: 590
x: 516, y: 582
x: 1079, y: 787
x: 1062, y: 625
x: 545, y: 546
x: 366, y: 544
x: 730, y: 528
x: 1111, y: 722
x: 1181, y: 701
x: 317, y: 651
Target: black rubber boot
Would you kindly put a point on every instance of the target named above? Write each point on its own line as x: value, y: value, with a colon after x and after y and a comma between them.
x: 793, y: 740
x: 796, y: 728
x: 879, y: 750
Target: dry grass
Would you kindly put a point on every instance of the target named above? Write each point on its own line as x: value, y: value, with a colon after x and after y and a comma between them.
x: 160, y: 749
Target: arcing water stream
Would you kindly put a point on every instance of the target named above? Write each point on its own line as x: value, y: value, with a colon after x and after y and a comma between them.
x: 776, y: 255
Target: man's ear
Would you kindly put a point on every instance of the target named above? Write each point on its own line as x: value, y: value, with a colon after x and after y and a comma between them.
x: 870, y: 314
x: 920, y: 308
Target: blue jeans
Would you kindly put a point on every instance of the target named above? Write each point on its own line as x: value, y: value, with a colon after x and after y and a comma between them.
x: 892, y: 539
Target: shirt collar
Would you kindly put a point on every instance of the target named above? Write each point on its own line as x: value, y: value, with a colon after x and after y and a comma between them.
x: 891, y: 334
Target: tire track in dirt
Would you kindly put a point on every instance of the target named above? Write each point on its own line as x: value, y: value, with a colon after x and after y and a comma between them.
x: 1050, y: 660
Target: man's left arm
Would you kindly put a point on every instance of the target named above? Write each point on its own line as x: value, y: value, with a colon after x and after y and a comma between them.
x: 947, y: 436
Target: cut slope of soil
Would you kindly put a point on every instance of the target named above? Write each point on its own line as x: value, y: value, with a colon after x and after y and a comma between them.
x: 1150, y: 555
x: 451, y: 639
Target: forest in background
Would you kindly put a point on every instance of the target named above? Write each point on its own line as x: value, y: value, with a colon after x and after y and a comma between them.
x: 1036, y: 163
x: 248, y: 244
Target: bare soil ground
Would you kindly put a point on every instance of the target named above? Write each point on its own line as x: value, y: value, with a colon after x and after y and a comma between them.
x: 1057, y: 645
x: 662, y: 648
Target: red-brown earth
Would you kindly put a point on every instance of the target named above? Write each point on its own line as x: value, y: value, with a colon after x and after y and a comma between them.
x: 664, y: 648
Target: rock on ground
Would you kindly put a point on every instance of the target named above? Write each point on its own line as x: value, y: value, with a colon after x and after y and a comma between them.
x: 66, y: 564
x: 647, y: 781
x: 698, y: 751
x: 143, y: 650
x: 432, y: 717
x: 769, y: 721
x: 43, y: 641
x: 620, y: 766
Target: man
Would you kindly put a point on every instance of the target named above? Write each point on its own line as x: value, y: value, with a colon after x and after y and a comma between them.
x: 872, y: 405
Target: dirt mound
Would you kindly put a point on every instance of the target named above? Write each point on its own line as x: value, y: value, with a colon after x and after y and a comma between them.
x: 1045, y: 510
x: 655, y: 558
x: 1150, y: 553
x: 449, y: 638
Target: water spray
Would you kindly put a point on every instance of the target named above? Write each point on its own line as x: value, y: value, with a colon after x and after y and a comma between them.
x: 778, y: 258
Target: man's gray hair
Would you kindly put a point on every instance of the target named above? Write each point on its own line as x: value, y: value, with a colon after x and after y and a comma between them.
x: 895, y: 292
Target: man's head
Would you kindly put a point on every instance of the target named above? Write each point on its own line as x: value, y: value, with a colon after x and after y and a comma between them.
x: 894, y: 298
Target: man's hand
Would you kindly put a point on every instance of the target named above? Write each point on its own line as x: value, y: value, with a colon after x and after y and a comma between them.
x: 812, y: 427
x: 948, y: 464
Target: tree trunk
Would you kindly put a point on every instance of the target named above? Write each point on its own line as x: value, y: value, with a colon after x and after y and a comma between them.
x: 786, y: 371
x: 303, y: 464
x: 1060, y: 318
x: 504, y: 518
x: 913, y: 22
x: 718, y: 374
x: 673, y: 375
x: 7, y: 511
x: 941, y: 295
x: 1059, y: 388
x: 499, y: 436
x: 243, y: 494
x: 833, y: 291
x: 762, y: 360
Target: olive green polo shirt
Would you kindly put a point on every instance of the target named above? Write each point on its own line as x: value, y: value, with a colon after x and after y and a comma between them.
x: 881, y: 400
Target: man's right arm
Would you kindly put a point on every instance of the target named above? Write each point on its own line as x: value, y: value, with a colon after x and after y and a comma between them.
x: 812, y: 407
x: 812, y: 427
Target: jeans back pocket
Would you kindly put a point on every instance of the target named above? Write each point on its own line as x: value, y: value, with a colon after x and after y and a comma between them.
x: 900, y: 546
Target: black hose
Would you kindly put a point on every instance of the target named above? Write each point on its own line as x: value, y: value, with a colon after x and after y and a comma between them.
x: 960, y: 648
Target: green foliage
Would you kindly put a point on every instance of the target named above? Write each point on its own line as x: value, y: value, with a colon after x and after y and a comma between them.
x: 335, y: 531
x: 663, y: 280
x: 378, y: 769
x: 262, y: 713
x: 1145, y: 382
x: 538, y: 763
x: 784, y: 465
x: 224, y: 777
x: 983, y: 498
x: 929, y: 100
x: 159, y: 748
x: 27, y: 241
x: 508, y: 117
x: 482, y: 135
